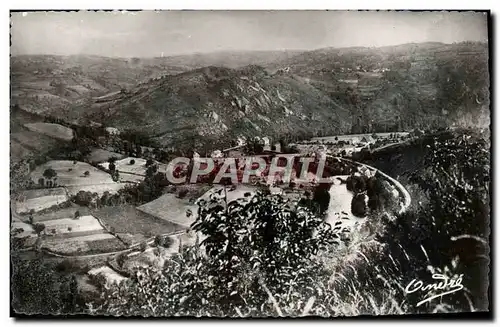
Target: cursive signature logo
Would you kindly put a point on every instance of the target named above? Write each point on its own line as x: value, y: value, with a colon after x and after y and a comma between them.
x: 445, y: 284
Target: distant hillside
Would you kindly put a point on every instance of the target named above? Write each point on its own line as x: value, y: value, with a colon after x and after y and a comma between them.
x: 53, y: 84
x: 206, y: 98
x: 401, y: 87
x: 213, y: 105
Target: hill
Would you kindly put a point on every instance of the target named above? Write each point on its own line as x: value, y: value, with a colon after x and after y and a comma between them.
x: 400, y: 87
x: 200, y: 99
x: 53, y: 84
x: 213, y: 105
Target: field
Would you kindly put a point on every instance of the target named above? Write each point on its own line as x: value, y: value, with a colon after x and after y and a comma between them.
x: 170, y: 208
x: 131, y: 178
x: 100, y: 155
x: 112, y: 187
x: 18, y: 151
x: 87, y: 244
x: 40, y: 199
x: 133, y: 225
x: 138, y: 168
x: 71, y: 173
x: 61, y: 213
x: 27, y: 229
x: 24, y: 140
x: 71, y: 225
x: 53, y: 130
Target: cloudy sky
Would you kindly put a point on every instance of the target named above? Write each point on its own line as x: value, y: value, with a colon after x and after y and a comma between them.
x: 149, y: 33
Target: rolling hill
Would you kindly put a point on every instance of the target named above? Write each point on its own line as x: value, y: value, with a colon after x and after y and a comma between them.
x: 214, y: 98
x: 213, y: 105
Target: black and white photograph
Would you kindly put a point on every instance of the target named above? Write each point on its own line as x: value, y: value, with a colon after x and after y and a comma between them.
x: 250, y: 163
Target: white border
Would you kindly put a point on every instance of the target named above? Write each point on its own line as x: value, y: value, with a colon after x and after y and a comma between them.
x: 190, y: 4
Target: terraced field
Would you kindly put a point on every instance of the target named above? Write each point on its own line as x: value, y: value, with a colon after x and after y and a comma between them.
x: 83, y: 244
x: 72, y: 173
x: 40, y: 199
x: 138, y: 168
x: 53, y: 130
x: 100, y: 155
x: 170, y: 208
x: 133, y: 225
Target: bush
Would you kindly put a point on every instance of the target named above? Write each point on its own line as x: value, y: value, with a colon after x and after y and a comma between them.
x: 358, y: 205
x: 39, y: 228
x: 144, y: 246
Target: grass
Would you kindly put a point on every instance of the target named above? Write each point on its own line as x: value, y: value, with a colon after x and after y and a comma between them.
x: 138, y: 168
x: 71, y: 173
x: 132, y: 224
x: 61, y: 213
x: 101, y: 155
x: 53, y: 130
x: 82, y: 245
x: 41, y: 199
x: 34, y: 141
x: 82, y: 224
x: 170, y: 209
x: 99, y: 188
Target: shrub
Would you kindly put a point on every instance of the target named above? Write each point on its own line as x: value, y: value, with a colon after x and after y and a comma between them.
x: 39, y: 228
x: 49, y: 173
x: 358, y: 205
x: 120, y: 260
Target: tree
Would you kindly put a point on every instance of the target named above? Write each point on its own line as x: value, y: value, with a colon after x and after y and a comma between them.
x: 132, y: 162
x: 77, y: 214
x: 86, y: 173
x: 115, y: 176
x: 39, y: 228
x: 358, y: 205
x: 37, y: 289
x: 321, y: 197
x: 121, y: 259
x: 249, y: 255
x: 112, y: 167
x: 49, y: 173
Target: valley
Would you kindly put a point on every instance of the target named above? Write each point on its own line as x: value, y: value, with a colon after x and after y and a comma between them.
x: 92, y: 139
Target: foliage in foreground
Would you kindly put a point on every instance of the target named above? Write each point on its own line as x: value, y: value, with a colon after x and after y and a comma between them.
x: 271, y: 266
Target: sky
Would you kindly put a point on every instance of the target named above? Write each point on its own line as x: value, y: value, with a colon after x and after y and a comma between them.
x: 151, y: 34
